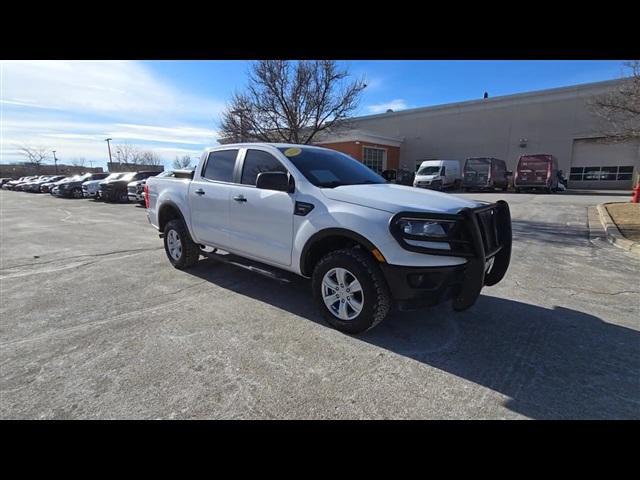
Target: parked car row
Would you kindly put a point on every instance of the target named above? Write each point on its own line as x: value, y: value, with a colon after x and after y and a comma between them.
x: 115, y: 187
x: 537, y: 172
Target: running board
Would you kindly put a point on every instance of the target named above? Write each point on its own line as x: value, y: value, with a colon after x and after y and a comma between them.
x: 234, y: 260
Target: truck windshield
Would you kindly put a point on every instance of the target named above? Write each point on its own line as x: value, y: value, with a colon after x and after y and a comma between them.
x: 429, y: 170
x: 477, y: 165
x: 328, y: 168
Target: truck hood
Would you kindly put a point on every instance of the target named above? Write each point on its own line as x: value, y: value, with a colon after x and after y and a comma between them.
x: 394, y: 198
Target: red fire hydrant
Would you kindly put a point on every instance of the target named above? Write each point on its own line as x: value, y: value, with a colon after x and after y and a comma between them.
x: 635, y: 196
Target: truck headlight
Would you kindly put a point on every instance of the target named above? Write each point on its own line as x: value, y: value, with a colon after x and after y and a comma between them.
x: 423, y: 228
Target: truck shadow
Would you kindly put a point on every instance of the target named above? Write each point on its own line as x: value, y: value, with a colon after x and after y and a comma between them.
x: 554, y: 363
x: 549, y: 233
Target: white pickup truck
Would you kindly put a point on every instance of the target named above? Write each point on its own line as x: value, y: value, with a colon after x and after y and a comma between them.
x: 318, y: 213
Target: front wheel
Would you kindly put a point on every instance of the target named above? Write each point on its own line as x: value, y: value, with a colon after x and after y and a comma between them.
x: 350, y: 290
x: 181, y: 251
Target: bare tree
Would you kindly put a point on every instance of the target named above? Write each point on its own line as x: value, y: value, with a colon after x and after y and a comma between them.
x: 180, y: 163
x: 620, y: 109
x: 291, y: 101
x: 127, y: 154
x: 131, y: 155
x: 147, y: 157
x: 35, y: 155
x: 78, y: 162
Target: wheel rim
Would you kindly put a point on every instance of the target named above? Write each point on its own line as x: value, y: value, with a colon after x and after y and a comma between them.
x: 342, y: 293
x: 174, y: 245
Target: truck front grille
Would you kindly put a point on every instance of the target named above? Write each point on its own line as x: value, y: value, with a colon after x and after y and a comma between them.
x: 487, y: 221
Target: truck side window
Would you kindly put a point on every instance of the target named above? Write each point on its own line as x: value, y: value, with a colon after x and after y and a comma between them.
x: 257, y: 161
x: 220, y: 165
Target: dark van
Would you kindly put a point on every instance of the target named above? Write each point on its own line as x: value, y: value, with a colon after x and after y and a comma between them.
x: 485, y: 173
x: 536, y: 172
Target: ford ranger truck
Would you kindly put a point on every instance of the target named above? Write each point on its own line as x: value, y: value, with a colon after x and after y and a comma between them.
x: 364, y: 243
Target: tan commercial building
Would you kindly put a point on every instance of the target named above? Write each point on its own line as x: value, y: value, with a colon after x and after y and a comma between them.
x: 558, y: 121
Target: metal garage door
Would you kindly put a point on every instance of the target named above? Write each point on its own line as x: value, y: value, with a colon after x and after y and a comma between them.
x: 603, y: 165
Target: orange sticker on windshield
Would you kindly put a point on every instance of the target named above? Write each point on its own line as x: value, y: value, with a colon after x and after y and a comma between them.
x: 292, y: 152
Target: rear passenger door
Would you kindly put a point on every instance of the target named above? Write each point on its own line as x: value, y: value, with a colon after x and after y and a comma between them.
x: 209, y: 198
x: 261, y: 221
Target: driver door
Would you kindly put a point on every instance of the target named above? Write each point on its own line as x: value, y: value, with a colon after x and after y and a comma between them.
x: 261, y: 221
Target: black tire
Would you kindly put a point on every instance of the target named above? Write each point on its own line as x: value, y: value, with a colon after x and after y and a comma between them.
x: 190, y: 251
x: 376, y: 301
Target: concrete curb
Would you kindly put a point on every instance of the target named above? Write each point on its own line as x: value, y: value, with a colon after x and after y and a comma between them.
x: 613, y: 234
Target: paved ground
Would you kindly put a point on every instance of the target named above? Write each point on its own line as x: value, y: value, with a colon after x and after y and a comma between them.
x: 95, y: 323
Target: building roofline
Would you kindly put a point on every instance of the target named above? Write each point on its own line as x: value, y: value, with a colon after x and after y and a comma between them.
x: 498, y: 99
x: 359, y: 135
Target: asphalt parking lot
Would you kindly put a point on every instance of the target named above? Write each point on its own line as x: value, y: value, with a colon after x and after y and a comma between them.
x: 95, y: 323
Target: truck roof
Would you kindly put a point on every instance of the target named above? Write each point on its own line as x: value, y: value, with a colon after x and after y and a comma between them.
x: 265, y: 144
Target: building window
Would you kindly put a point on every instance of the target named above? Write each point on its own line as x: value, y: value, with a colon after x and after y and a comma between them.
x: 374, y: 158
x: 594, y: 174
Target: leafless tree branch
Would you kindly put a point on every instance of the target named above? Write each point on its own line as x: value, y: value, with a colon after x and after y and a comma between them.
x: 35, y: 155
x: 619, y: 110
x: 291, y: 102
x: 181, y: 163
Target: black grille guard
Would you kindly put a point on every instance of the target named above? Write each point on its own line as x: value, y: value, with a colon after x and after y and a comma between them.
x: 477, y: 234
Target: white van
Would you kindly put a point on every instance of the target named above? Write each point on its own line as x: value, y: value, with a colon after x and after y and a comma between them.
x: 438, y: 174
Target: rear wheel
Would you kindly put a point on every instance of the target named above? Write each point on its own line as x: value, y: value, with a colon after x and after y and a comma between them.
x: 181, y: 251
x: 350, y: 290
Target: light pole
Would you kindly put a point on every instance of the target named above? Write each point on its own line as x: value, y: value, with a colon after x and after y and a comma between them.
x: 109, y: 147
x: 55, y: 160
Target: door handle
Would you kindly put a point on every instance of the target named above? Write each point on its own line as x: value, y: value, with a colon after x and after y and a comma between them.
x: 199, y: 192
x: 240, y: 198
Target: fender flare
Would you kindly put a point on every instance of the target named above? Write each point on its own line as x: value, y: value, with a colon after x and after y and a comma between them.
x: 331, y: 232
x: 170, y: 203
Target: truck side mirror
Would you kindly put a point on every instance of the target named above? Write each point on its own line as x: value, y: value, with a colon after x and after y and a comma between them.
x: 278, y: 181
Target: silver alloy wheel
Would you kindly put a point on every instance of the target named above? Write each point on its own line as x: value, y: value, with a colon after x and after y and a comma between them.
x: 174, y: 245
x: 342, y: 293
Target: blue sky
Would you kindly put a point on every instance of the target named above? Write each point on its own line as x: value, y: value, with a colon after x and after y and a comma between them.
x: 173, y: 107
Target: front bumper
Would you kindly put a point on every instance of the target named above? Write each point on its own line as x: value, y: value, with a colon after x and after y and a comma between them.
x: 430, y: 185
x: 419, y: 287
x: 482, y: 235
x: 135, y: 194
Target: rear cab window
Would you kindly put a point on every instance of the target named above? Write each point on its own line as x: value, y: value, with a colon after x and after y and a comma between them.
x: 220, y: 165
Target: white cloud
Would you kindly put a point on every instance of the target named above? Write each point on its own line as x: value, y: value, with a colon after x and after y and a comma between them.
x: 72, y: 106
x: 395, y: 105
x: 79, y: 139
x: 110, y: 88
